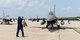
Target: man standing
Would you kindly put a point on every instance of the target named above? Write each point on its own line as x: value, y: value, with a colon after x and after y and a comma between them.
x: 20, y: 27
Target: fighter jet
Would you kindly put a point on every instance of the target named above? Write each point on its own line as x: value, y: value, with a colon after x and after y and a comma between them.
x: 5, y: 19
x: 53, y: 20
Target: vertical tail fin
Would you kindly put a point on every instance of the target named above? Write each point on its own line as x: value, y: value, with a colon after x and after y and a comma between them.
x: 3, y: 14
x: 54, y: 9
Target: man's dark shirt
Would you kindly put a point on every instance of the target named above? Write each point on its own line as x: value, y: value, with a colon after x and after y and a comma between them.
x: 20, y: 23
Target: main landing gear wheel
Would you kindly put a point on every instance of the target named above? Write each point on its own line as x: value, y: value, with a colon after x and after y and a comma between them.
x: 58, y: 26
x: 62, y: 22
x: 1, y: 22
x: 8, y: 23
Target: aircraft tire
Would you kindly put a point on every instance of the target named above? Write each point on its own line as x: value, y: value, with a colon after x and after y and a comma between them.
x: 8, y: 22
x: 62, y: 22
x: 58, y: 26
x: 68, y: 21
x: 1, y: 22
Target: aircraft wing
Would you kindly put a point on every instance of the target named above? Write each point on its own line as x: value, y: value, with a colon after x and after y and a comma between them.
x: 62, y: 18
x: 70, y: 18
x: 36, y: 19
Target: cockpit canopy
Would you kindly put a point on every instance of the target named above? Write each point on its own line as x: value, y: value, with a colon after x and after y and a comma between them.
x: 50, y: 13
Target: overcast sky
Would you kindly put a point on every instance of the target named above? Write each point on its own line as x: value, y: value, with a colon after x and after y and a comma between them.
x: 41, y: 8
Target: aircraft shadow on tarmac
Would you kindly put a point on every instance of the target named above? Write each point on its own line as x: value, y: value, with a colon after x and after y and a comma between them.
x: 56, y: 28
x: 9, y: 24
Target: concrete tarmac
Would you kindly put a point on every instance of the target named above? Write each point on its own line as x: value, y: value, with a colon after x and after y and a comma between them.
x: 35, y: 31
